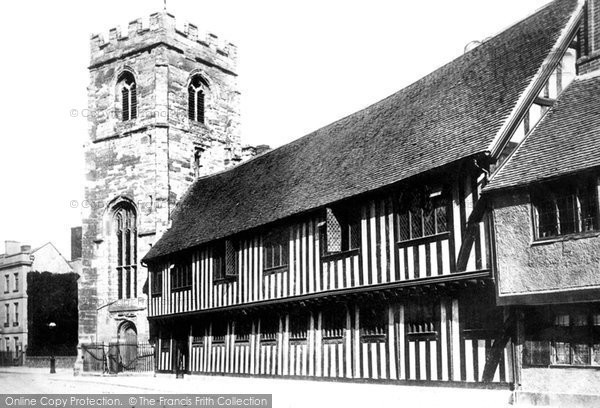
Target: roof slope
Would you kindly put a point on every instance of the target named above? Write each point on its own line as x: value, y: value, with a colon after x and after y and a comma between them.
x: 567, y: 139
x: 450, y: 114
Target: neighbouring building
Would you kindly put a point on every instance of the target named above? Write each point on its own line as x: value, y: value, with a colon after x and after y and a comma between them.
x: 366, y: 249
x: 15, y: 264
x: 163, y: 103
x: 547, y: 222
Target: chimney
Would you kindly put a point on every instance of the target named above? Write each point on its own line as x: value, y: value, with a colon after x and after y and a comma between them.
x: 75, y: 243
x: 25, y: 248
x: 589, y: 39
x: 12, y: 247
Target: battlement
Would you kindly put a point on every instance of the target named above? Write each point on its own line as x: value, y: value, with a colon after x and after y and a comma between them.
x: 159, y: 27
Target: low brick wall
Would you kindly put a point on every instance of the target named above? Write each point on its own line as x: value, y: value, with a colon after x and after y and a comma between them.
x: 44, y: 361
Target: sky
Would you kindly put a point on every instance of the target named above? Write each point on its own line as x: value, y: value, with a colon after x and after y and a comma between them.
x: 302, y: 65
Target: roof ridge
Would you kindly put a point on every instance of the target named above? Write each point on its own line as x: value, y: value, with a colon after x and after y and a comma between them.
x: 405, y: 88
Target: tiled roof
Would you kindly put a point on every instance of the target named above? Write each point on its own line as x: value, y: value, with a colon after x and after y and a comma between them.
x: 450, y: 114
x: 567, y: 139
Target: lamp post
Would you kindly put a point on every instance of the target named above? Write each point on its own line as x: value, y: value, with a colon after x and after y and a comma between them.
x: 52, y: 328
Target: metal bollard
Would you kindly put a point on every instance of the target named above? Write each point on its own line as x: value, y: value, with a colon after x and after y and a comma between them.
x: 52, y: 365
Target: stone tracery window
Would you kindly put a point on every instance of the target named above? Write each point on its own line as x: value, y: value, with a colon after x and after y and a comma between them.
x: 126, y: 231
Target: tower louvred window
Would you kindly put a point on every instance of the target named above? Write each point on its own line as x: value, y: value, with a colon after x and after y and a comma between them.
x: 196, y: 94
x: 127, y: 86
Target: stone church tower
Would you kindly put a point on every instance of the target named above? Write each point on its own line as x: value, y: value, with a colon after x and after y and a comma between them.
x: 163, y: 110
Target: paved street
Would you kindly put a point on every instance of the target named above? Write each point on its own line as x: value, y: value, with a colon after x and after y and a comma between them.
x: 286, y: 393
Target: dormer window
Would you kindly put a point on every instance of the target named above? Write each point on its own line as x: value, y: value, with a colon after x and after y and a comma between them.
x: 127, y: 91
x: 197, y: 91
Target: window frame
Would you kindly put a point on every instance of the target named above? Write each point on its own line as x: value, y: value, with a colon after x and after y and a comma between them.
x: 127, y: 86
x: 224, y: 255
x: 156, y: 287
x: 414, y: 204
x: 16, y: 288
x: 372, y: 333
x: 334, y: 323
x: 16, y: 314
x: 278, y: 241
x: 125, y: 222
x: 197, y: 86
x: 348, y: 219
x: 582, y: 190
x: 7, y: 315
x: 181, y: 274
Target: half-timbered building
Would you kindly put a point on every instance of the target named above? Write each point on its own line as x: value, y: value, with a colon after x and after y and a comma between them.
x: 364, y: 250
x: 547, y: 223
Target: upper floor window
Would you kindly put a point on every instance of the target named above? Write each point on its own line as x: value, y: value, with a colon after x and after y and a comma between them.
x: 127, y: 91
x: 196, y: 97
x: 16, y: 320
x: 224, y: 260
x: 126, y: 231
x: 16, y: 289
x: 276, y: 248
x: 7, y: 315
x: 181, y: 274
x: 6, y: 283
x: 421, y: 214
x: 565, y: 207
x: 157, y: 283
x: 342, y: 230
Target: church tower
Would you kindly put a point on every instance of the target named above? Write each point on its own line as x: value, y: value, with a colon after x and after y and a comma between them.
x: 163, y: 110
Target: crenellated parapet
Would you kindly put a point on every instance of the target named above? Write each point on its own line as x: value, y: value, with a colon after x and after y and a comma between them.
x: 161, y: 29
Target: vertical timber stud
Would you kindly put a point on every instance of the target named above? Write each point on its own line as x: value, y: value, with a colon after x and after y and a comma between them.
x: 455, y: 345
x: 286, y: 344
x: 311, y: 345
x: 391, y: 354
x: 348, y: 343
x: 280, y: 344
x: 319, y: 348
x: 190, y: 350
x: 519, y: 341
x: 357, y: 348
x: 400, y: 342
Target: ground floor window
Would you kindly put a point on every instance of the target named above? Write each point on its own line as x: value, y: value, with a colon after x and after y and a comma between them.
x: 562, y: 336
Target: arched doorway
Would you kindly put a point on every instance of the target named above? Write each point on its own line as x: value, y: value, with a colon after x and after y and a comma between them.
x: 128, y: 346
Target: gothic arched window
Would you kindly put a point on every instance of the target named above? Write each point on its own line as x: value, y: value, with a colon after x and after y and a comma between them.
x: 196, y: 94
x: 126, y: 88
x: 125, y: 223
